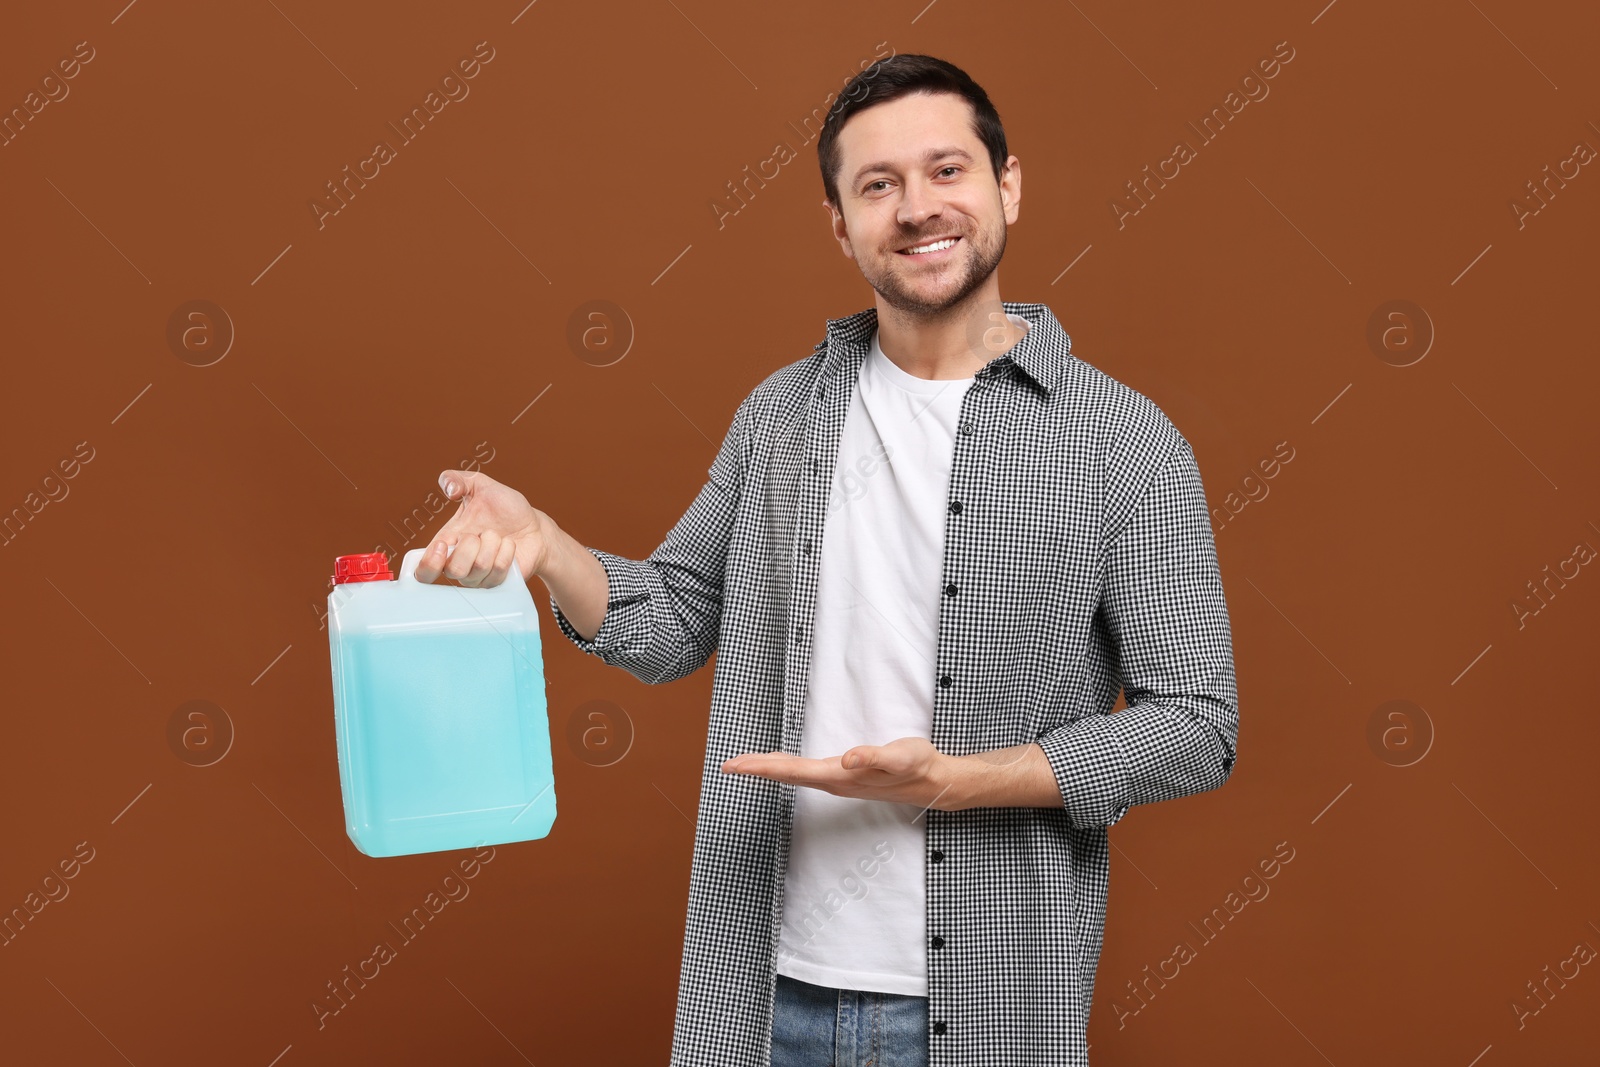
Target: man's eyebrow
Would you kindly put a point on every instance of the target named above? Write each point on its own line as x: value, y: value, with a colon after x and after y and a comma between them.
x: 932, y: 155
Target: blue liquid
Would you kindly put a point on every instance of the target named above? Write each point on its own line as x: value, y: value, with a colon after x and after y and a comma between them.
x: 444, y: 741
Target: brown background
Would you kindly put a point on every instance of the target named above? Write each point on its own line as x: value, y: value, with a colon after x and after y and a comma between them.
x: 190, y: 559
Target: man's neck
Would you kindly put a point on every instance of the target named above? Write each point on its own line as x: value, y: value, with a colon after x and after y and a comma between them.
x: 953, y: 344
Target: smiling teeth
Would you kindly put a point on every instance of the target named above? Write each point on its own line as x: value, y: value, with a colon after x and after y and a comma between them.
x: 935, y: 247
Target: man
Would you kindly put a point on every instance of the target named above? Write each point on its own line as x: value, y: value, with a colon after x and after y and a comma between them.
x: 929, y: 556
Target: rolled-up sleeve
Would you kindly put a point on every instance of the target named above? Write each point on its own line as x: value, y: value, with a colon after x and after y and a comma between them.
x: 663, y: 612
x: 1163, y: 609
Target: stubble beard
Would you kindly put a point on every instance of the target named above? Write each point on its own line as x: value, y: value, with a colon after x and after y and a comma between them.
x: 977, y: 265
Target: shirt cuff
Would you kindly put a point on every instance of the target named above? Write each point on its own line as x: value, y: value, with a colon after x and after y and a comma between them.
x: 1091, y: 769
x: 627, y: 608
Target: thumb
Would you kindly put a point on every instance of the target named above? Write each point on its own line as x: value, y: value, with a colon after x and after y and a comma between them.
x: 457, y: 485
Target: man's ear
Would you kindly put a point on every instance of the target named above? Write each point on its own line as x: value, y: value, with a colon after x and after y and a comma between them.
x: 1011, y: 189
x: 836, y: 227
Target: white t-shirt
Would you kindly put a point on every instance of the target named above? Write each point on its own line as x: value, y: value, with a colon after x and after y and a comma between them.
x: 854, y: 905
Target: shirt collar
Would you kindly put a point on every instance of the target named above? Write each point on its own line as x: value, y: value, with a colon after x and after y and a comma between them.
x: 1042, y: 353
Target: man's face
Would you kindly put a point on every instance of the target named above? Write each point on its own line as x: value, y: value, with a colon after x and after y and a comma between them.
x: 913, y: 171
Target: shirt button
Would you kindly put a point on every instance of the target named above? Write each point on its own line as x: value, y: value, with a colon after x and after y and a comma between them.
x: 936, y: 856
x: 966, y: 428
x: 951, y: 589
x: 939, y: 1027
x: 938, y: 942
x: 808, y: 546
x: 955, y: 507
x: 945, y: 681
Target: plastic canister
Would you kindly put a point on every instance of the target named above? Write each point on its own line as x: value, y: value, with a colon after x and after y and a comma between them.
x: 439, y: 710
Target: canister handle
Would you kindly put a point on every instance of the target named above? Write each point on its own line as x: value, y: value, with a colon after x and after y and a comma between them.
x: 408, y: 564
x: 408, y: 568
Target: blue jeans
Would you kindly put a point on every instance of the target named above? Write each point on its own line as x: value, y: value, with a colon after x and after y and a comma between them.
x: 818, y: 1026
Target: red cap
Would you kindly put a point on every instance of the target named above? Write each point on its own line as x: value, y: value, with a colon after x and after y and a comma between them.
x: 364, y: 567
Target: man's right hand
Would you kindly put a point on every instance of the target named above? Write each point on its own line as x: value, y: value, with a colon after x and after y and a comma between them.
x: 493, y: 522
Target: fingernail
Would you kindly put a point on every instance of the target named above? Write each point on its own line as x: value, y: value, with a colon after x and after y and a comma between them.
x: 449, y: 486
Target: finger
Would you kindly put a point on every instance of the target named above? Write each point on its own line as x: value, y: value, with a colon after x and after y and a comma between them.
x: 463, y: 558
x: 458, y: 485
x: 466, y: 485
x: 462, y: 487
x: 501, y: 571
x: 856, y: 759
x: 488, y: 549
x: 432, y: 561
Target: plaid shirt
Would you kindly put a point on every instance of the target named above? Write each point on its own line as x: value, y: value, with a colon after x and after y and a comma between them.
x: 1078, y: 560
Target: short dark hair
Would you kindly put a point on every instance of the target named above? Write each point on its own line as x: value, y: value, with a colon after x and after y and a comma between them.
x: 901, y: 75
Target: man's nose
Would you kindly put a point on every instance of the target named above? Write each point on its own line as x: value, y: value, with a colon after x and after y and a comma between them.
x: 917, y: 205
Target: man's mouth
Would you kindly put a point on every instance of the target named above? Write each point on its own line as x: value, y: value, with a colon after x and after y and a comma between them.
x: 935, y: 249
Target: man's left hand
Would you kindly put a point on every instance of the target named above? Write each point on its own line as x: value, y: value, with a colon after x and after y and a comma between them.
x: 906, y: 771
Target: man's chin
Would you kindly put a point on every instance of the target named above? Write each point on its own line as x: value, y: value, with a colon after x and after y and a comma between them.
x: 918, y: 306
x: 924, y: 302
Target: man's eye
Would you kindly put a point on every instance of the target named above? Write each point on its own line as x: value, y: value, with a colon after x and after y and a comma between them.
x: 868, y: 189
x: 950, y: 167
